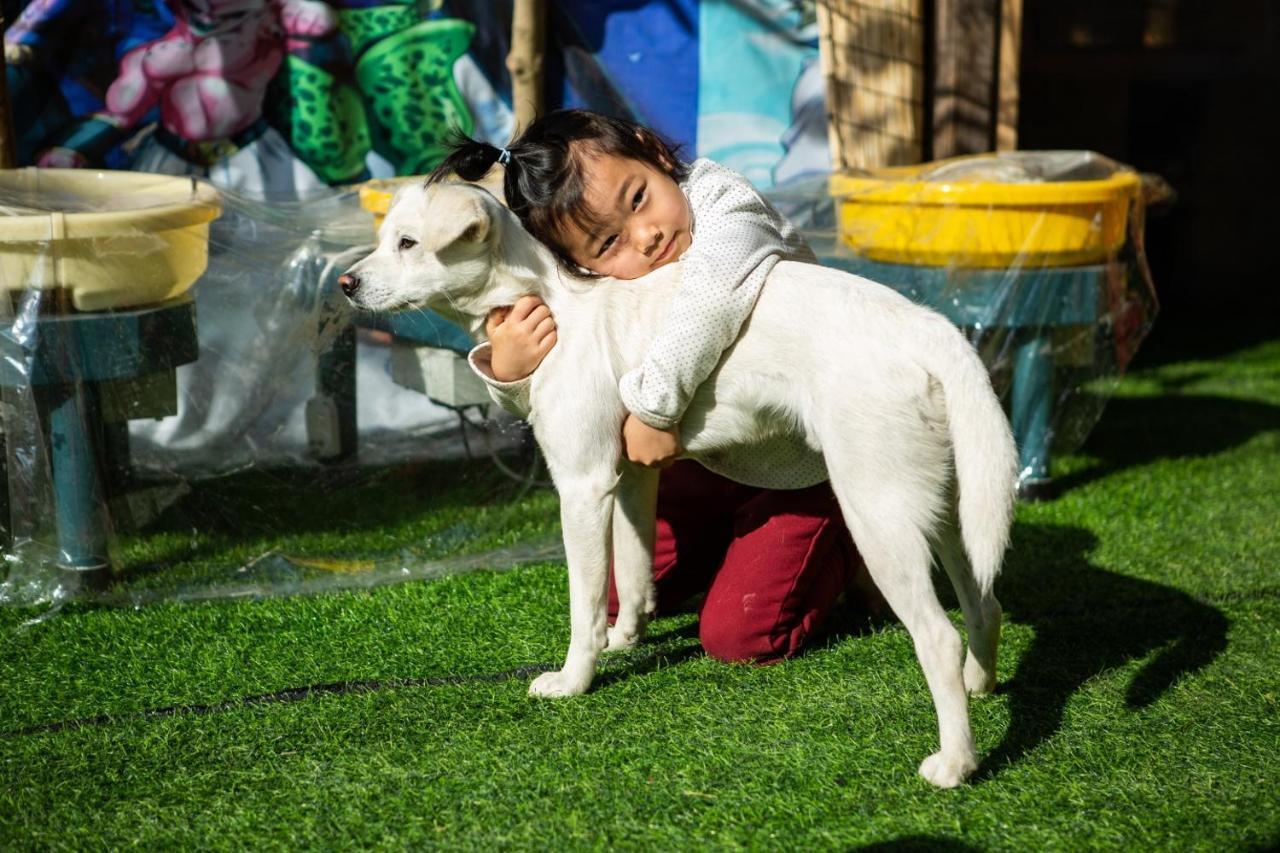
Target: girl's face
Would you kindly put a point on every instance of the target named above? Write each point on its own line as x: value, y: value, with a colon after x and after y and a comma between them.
x: 645, y: 219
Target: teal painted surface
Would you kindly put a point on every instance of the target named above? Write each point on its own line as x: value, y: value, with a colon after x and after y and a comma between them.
x: 748, y: 67
x: 1031, y: 407
x: 991, y: 298
x: 61, y: 358
x: 75, y: 430
x: 99, y: 346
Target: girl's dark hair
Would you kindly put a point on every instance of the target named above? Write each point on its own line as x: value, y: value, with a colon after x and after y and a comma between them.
x: 544, y: 171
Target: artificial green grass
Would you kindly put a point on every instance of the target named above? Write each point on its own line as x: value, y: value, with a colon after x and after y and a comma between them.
x: 1139, y: 704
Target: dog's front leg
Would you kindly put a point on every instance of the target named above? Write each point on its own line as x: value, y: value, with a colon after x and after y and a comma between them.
x: 586, y: 504
x: 633, y: 532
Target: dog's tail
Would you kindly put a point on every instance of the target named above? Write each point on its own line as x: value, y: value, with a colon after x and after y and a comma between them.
x: 986, y: 458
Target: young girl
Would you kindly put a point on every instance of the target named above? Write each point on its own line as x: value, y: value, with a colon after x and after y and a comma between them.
x: 611, y: 198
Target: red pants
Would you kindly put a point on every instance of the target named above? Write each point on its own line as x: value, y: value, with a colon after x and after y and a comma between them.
x: 771, y: 563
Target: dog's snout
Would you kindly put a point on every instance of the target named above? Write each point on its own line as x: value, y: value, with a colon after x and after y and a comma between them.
x: 349, y: 282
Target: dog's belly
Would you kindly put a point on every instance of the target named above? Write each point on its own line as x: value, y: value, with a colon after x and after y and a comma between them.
x: 749, y: 431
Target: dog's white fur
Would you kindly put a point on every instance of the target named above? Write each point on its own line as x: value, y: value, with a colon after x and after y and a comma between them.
x: 890, y: 392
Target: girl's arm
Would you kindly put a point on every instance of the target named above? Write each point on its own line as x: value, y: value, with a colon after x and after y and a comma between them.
x: 738, y: 239
x: 519, y: 339
x: 511, y: 396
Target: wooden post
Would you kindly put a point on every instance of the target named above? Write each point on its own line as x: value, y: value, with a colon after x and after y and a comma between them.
x: 872, y: 54
x: 966, y: 38
x: 1007, y: 90
x: 8, y: 148
x: 528, y: 37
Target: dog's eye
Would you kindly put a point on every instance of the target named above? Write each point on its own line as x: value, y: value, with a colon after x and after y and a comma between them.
x: 407, y: 243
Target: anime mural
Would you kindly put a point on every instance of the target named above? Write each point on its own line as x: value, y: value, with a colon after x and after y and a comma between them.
x: 761, y: 94
x: 283, y: 98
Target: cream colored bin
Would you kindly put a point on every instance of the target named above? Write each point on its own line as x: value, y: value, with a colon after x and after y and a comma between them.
x: 113, y: 239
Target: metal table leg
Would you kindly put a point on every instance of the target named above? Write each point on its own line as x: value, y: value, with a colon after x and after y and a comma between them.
x: 77, y: 482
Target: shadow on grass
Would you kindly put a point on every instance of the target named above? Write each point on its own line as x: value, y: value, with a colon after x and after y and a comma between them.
x: 1140, y: 430
x: 644, y: 660
x: 1087, y: 622
x: 1196, y: 334
x: 918, y: 844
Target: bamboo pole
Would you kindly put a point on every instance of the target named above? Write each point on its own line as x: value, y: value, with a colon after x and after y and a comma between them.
x: 872, y: 55
x: 528, y: 37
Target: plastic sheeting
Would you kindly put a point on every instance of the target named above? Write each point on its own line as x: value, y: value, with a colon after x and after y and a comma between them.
x: 240, y: 385
x: 135, y: 379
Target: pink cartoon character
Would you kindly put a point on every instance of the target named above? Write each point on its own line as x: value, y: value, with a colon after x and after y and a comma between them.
x: 209, y: 72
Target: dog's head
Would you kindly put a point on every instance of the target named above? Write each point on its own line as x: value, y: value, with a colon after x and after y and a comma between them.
x: 435, y: 248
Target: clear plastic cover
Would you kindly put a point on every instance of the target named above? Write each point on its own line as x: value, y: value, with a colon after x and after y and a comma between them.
x: 190, y: 409
x: 180, y: 377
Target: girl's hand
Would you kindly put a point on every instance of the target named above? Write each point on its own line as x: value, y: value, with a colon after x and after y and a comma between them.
x: 644, y: 445
x: 520, y: 336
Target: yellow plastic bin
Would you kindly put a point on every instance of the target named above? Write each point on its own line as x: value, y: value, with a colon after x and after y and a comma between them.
x: 126, y: 246
x: 376, y: 195
x: 946, y: 214
x: 113, y: 239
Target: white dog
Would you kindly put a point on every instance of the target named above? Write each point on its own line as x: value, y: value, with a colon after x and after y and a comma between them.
x: 891, y: 394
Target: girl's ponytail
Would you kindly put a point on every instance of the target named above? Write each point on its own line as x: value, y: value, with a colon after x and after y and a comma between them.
x: 469, y: 159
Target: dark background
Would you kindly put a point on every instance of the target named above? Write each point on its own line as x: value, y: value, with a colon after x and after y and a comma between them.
x: 1188, y: 90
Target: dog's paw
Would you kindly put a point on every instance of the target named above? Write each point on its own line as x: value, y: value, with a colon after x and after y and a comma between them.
x: 978, y: 679
x: 620, y: 639
x: 554, y: 685
x: 948, y: 771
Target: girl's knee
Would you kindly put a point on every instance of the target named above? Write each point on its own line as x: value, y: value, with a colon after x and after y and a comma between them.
x: 735, y: 641
x: 731, y: 647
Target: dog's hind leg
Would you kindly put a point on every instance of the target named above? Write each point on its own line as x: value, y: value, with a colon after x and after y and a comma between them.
x: 899, y: 561
x: 889, y: 515
x: 982, y: 613
x: 633, y: 534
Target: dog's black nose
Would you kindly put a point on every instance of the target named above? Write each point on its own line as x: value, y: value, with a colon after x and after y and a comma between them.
x: 349, y: 283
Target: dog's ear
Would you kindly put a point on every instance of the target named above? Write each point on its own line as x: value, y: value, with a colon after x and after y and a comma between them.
x: 464, y: 218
